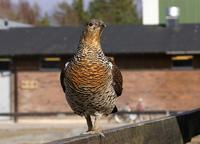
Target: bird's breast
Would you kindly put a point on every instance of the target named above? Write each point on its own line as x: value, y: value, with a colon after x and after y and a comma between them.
x: 88, y: 76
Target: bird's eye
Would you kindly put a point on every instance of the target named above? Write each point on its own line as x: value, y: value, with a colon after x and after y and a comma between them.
x: 90, y: 24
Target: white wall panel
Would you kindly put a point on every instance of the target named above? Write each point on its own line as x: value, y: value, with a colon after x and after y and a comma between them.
x: 5, y: 89
x: 150, y: 12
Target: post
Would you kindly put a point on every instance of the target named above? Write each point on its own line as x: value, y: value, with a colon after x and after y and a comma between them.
x: 15, y: 94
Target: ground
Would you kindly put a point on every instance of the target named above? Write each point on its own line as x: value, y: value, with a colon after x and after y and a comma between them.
x: 41, y: 131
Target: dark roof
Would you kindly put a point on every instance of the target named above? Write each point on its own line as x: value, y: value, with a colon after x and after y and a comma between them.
x: 118, y: 39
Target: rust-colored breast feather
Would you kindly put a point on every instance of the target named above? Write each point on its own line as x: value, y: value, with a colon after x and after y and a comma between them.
x: 87, y: 75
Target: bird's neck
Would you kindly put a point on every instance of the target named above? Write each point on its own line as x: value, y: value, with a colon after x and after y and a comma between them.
x: 90, y: 45
x: 91, y: 40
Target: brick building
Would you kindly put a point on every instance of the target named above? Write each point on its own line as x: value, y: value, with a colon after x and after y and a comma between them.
x: 159, y: 64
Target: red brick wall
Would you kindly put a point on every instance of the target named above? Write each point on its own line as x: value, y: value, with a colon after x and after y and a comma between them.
x: 160, y: 89
x: 166, y: 89
x: 40, y: 92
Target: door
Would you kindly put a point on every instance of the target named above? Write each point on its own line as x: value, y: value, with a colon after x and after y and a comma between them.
x: 5, y: 94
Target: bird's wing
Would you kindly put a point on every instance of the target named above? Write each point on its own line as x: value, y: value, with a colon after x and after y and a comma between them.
x: 62, y: 76
x: 62, y: 79
x: 117, y: 78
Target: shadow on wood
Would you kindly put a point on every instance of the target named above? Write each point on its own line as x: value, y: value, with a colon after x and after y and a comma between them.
x: 177, y: 129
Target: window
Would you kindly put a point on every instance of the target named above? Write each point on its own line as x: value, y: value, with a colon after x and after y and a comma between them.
x: 182, y: 62
x: 50, y: 63
x: 5, y: 64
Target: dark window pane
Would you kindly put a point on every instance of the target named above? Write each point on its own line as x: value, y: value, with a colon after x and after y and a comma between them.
x: 50, y: 63
x: 4, y: 65
x: 182, y: 62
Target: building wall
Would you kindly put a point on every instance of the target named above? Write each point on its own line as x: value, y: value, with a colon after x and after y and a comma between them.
x: 155, y: 11
x: 40, y: 92
x: 160, y: 89
x: 189, y: 10
x: 5, y: 24
x: 150, y: 12
x: 196, y: 61
x: 163, y: 89
x: 26, y: 63
x: 144, y: 61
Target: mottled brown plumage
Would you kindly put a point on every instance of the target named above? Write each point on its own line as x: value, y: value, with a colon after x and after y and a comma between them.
x: 91, y: 81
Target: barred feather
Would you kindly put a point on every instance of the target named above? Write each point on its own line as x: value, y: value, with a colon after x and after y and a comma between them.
x: 90, y: 81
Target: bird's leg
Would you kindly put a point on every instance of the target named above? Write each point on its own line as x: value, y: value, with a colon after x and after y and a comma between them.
x: 96, y: 122
x: 96, y: 127
x: 93, y: 129
x: 89, y: 122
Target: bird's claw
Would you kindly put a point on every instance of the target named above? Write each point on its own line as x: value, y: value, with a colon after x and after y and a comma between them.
x: 100, y: 133
x: 94, y: 132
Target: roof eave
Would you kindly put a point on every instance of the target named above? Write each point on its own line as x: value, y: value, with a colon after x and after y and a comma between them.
x: 182, y: 52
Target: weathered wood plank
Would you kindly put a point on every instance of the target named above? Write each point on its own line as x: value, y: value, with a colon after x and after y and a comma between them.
x: 169, y: 130
x: 189, y: 124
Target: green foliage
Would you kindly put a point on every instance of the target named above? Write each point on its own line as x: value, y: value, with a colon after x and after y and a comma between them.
x: 114, y: 11
x: 79, y: 9
x: 44, y: 20
x: 65, y: 14
x: 110, y: 11
x: 74, y: 14
x: 100, y: 9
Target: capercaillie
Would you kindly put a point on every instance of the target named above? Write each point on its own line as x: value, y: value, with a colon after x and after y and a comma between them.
x: 91, y: 81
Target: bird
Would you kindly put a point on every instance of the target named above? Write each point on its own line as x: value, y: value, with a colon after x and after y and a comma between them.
x: 91, y: 81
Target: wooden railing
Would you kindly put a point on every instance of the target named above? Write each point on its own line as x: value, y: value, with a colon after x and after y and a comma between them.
x: 177, y: 129
x: 17, y: 115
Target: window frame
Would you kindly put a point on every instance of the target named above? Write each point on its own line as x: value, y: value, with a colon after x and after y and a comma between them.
x: 184, y: 59
x: 50, y: 59
x: 6, y: 60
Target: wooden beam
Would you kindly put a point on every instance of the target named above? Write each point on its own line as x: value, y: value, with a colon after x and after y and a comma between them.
x: 177, y: 129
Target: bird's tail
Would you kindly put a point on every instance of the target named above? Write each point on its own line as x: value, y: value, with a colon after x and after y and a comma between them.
x: 114, y: 110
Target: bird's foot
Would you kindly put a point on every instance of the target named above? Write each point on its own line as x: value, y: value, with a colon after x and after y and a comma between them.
x: 94, y: 132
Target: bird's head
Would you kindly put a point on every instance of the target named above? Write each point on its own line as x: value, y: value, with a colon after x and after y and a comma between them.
x: 95, y: 26
x: 93, y: 30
